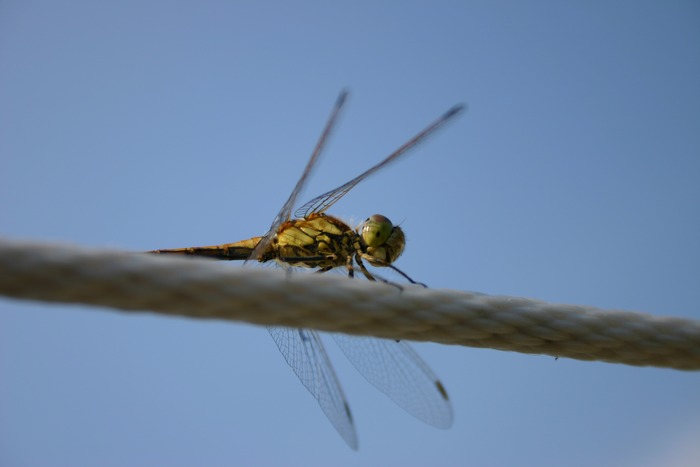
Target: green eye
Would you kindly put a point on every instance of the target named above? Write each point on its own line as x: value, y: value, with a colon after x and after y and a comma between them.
x: 376, y: 230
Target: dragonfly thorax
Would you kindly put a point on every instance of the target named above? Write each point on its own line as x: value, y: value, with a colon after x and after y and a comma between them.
x: 317, y: 241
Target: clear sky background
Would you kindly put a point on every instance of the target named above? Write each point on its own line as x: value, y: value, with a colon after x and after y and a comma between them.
x: 573, y: 178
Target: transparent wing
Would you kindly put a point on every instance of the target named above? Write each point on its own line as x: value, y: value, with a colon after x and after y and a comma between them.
x: 326, y: 200
x: 304, y: 352
x: 286, y: 211
x: 396, y: 369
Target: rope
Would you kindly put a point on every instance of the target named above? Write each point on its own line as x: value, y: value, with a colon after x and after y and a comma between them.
x: 214, y: 290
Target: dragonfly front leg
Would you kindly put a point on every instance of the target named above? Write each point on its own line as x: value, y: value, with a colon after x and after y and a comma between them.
x: 378, y: 262
x: 364, y: 270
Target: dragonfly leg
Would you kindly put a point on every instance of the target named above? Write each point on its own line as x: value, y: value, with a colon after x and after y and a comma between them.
x: 391, y: 266
x: 364, y: 270
x: 408, y: 278
x: 351, y: 268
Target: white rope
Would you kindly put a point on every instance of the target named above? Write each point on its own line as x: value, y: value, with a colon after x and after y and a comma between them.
x: 208, y: 289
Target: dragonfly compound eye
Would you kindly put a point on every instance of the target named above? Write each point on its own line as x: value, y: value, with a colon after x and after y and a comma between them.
x: 376, y: 230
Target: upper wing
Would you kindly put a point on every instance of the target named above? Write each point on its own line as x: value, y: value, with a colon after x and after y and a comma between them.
x: 304, y: 352
x: 286, y: 211
x: 326, y: 200
x: 396, y: 369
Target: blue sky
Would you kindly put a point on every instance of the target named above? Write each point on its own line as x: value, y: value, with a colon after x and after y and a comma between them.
x: 572, y: 178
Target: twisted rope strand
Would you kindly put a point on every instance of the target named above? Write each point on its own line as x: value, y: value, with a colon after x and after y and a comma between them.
x: 211, y: 290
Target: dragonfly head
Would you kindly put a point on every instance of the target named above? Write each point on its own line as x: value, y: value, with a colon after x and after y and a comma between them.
x: 385, y: 242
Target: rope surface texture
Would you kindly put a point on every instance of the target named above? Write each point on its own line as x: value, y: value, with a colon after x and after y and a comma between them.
x: 198, y: 288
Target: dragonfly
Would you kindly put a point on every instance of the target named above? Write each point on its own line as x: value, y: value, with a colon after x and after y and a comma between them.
x: 314, y: 239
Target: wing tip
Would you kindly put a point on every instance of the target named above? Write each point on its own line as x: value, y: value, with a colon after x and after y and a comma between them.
x: 455, y: 110
x: 342, y: 97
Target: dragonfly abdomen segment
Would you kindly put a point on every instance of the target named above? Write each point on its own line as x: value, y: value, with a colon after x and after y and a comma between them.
x: 227, y: 251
